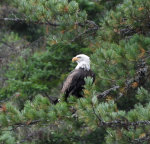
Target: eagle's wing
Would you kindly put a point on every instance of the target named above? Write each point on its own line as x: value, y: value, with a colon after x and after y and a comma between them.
x: 71, y: 80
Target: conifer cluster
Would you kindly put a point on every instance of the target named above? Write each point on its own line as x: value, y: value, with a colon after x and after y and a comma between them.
x: 44, y: 36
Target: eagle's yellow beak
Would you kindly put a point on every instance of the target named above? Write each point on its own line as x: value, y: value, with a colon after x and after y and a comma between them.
x: 74, y: 59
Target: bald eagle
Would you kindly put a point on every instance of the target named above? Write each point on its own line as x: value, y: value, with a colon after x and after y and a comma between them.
x: 74, y: 83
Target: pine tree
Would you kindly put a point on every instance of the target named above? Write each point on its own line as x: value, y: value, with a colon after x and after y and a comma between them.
x: 115, y: 109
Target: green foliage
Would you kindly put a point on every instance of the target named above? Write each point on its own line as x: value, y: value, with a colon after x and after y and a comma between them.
x: 7, y: 138
x: 127, y: 19
x: 114, y: 63
x: 97, y: 9
x: 119, y: 54
x: 11, y: 37
x: 40, y: 72
x: 142, y: 95
x: 55, y: 10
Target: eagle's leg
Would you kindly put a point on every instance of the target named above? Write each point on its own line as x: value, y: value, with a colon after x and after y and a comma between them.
x: 66, y: 97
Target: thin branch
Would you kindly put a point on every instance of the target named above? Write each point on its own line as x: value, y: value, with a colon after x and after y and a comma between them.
x: 25, y: 20
x: 113, y: 124
x: 106, y: 92
x: 25, y: 124
x: 92, y: 24
x: 126, y: 124
x: 13, y: 19
x: 92, y: 28
x: 8, y: 45
x: 53, y: 100
x: 98, y: 116
x: 141, y: 140
x: 81, y: 34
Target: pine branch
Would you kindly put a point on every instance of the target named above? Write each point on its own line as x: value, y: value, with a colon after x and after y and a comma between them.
x: 83, y: 33
x: 140, y: 78
x: 53, y: 100
x: 98, y: 116
x: 8, y: 45
x: 91, y: 24
x: 26, y: 124
x: 141, y: 140
x: 127, y: 31
x: 106, y: 92
x: 36, y: 134
x: 92, y: 27
x: 125, y: 124
x: 120, y: 123
x: 24, y: 20
x: 7, y: 99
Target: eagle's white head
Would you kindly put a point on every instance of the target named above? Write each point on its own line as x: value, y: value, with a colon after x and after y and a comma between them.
x: 83, y: 61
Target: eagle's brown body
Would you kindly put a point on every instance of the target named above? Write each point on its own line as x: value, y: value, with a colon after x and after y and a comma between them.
x: 74, y: 83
